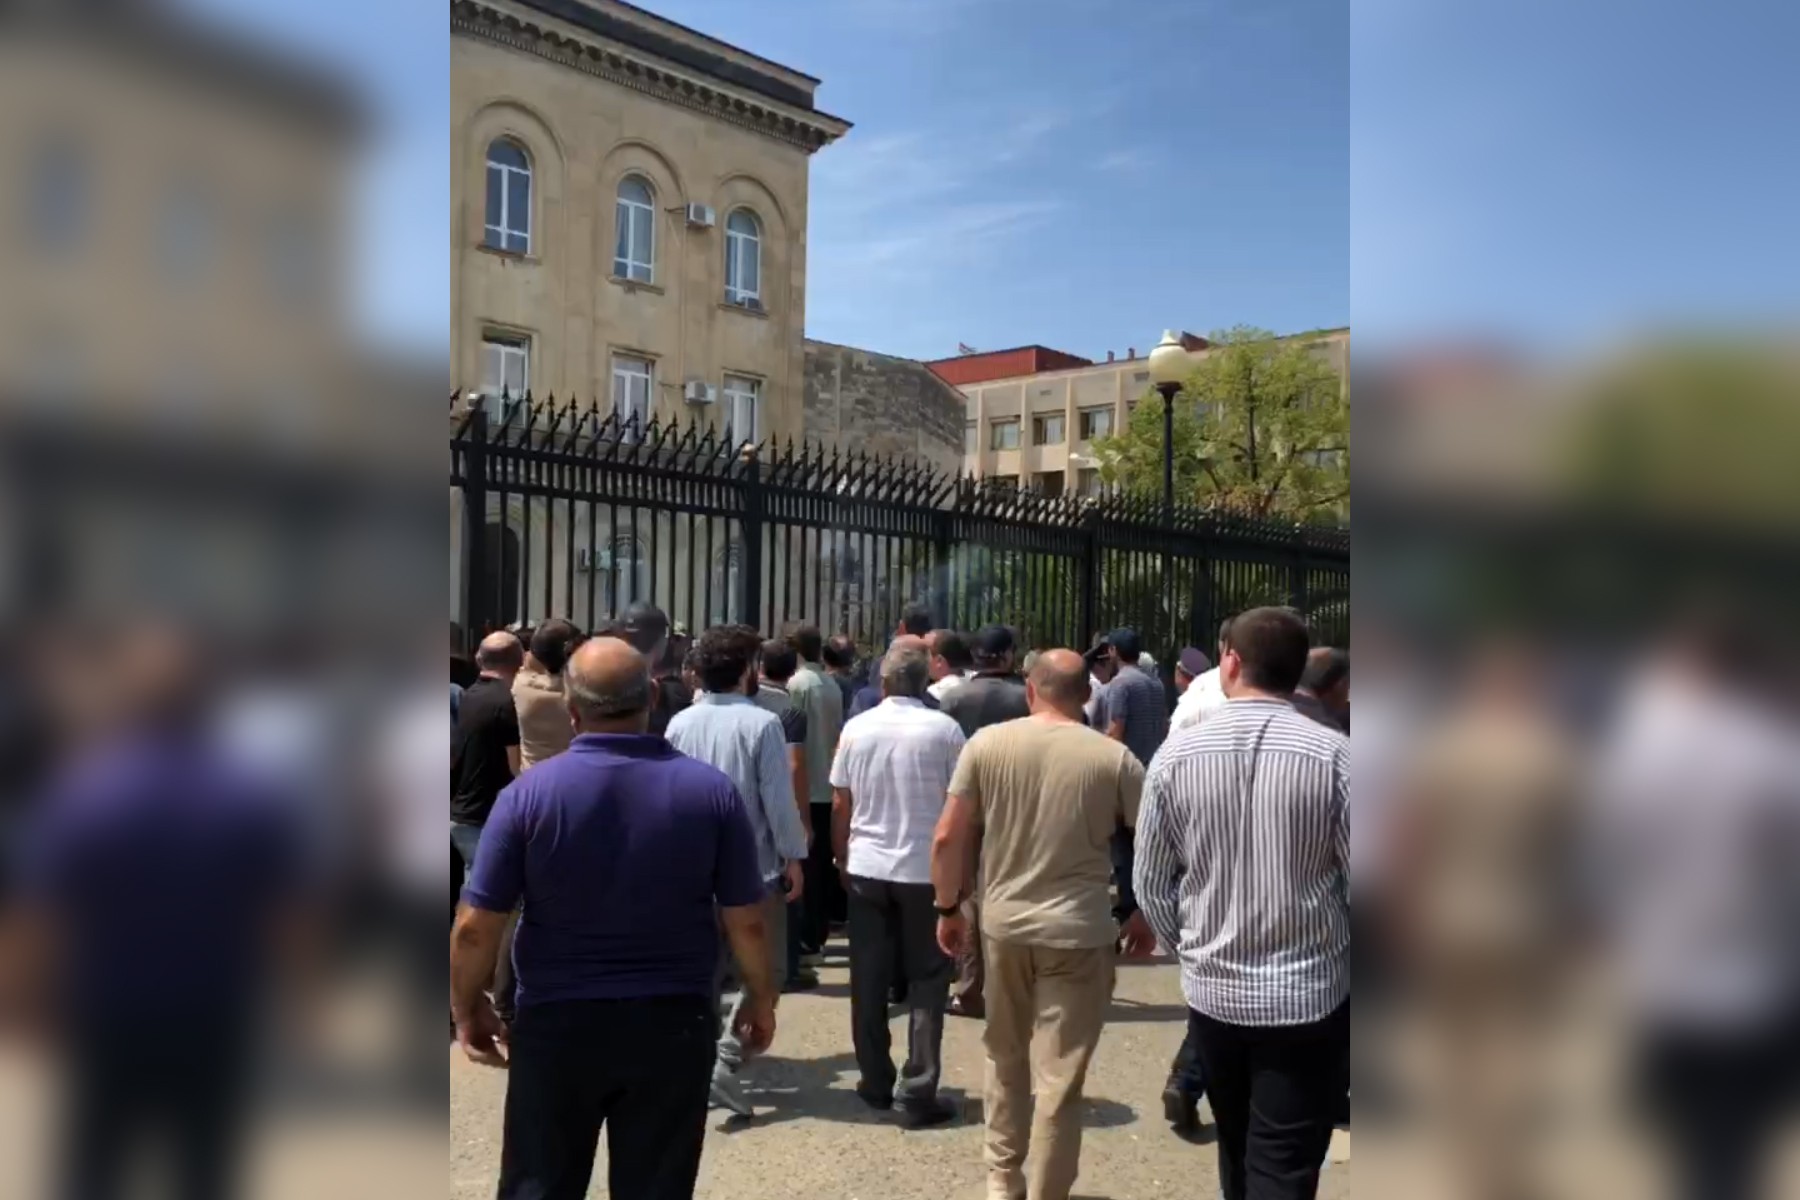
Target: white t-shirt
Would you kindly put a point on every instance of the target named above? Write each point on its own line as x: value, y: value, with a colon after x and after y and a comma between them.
x: 1203, y: 697
x: 945, y: 686
x: 896, y: 760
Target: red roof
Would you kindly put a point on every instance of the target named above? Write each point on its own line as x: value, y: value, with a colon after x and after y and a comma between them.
x: 1003, y: 364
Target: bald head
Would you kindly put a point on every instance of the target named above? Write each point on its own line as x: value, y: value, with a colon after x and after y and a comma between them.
x: 608, y: 685
x: 1059, y: 683
x: 500, y: 653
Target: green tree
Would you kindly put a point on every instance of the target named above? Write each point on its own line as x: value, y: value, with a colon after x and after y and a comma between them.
x: 1261, y: 426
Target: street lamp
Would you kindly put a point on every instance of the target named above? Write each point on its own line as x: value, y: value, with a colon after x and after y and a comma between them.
x: 1168, y: 364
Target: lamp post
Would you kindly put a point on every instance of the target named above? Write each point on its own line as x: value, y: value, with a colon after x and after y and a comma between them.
x: 1168, y: 363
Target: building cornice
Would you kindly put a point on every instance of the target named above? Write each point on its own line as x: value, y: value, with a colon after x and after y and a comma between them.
x: 643, y: 73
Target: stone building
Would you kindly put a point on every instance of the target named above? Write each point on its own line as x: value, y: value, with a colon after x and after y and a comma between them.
x: 628, y: 224
x: 893, y: 407
x: 628, y: 213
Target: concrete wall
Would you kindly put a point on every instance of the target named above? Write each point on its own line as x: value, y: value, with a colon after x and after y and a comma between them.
x: 859, y: 400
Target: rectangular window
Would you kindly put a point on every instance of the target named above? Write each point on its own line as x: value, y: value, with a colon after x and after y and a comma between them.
x: 971, y: 438
x: 1047, y: 431
x: 1005, y: 435
x: 1087, y: 483
x: 1095, y: 422
x: 631, y: 383
x: 1050, y: 483
x: 743, y: 400
x: 505, y: 366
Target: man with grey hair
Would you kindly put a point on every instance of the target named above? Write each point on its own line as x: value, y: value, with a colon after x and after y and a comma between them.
x: 889, y: 779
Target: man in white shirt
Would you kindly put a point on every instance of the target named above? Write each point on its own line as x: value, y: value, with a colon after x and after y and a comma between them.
x: 951, y: 663
x: 1205, y: 695
x: 889, y: 780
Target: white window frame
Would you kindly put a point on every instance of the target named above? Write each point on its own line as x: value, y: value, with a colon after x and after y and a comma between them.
x: 505, y: 347
x: 743, y: 393
x: 494, y: 235
x: 628, y: 398
x: 1062, y: 429
x: 626, y: 214
x: 971, y: 437
x: 739, y: 247
x: 994, y: 433
x: 1106, y: 414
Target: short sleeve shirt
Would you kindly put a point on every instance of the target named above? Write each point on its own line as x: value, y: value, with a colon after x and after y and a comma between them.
x: 544, y: 726
x: 1140, y: 701
x: 486, y: 725
x: 1049, y: 796
x: 896, y: 761
x: 620, y: 848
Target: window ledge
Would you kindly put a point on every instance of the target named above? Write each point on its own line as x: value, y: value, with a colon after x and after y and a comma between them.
x: 508, y: 255
x: 760, y: 313
x: 635, y: 285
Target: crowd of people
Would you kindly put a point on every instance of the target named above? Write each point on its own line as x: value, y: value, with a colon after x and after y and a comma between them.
x: 656, y: 836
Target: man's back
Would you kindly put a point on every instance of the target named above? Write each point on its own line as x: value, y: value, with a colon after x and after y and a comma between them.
x: 543, y: 714
x: 823, y: 703
x: 621, y: 847
x: 486, y: 724
x: 1140, y: 702
x: 896, y: 760
x: 1250, y: 814
x: 987, y: 700
x: 1049, y: 795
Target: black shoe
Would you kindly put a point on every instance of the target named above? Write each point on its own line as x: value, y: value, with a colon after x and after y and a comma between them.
x: 803, y: 980
x: 897, y: 994
x: 874, y: 1099
x: 1181, y: 1110
x: 926, y: 1114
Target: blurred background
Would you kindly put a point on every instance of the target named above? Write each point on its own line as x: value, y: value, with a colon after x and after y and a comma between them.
x: 1577, y: 549
x: 223, y: 339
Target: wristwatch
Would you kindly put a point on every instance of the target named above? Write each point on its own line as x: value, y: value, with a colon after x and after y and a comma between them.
x: 943, y: 911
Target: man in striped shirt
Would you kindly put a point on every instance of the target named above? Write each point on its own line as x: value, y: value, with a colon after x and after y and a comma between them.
x: 1243, y: 848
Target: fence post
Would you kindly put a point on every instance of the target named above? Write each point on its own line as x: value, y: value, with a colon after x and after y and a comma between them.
x: 752, y: 528
x: 474, y: 539
x: 941, y: 550
x: 1090, y: 575
x: 1297, y: 576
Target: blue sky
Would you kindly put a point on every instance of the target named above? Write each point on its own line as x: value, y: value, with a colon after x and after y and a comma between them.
x: 1555, y: 174
x: 1073, y: 172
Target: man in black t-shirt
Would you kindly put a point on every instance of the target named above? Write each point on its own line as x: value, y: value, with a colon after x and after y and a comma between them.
x: 646, y: 627
x: 776, y: 666
x: 484, y: 744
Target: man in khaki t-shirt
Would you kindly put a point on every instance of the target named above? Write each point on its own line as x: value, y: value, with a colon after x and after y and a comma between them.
x: 1041, y: 796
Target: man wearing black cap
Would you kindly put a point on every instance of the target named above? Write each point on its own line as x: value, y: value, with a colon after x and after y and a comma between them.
x: 646, y: 627
x: 995, y: 694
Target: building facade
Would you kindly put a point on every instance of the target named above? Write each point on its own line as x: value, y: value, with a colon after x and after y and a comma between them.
x: 628, y: 214
x: 1031, y: 414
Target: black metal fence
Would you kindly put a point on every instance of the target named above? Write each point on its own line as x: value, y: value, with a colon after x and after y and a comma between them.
x: 563, y: 511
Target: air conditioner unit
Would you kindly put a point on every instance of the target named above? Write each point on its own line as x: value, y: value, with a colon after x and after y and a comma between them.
x: 698, y: 391
x: 701, y: 216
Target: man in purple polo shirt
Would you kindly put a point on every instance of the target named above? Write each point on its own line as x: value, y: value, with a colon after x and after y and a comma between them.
x: 623, y: 851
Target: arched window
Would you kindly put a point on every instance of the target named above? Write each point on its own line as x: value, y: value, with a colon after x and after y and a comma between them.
x: 634, y: 253
x: 508, y: 197
x: 743, y: 259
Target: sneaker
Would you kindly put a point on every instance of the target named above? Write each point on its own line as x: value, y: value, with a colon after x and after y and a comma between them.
x: 926, y: 1114
x: 728, y: 1093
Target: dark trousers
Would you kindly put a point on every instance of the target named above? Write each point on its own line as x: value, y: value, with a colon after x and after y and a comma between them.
x: 824, y: 891
x: 1124, y: 853
x: 641, y: 1068
x: 182, y: 1085
x: 1718, y: 1099
x: 882, y: 916
x: 1275, y: 1092
x: 796, y: 931
x: 1187, y: 1073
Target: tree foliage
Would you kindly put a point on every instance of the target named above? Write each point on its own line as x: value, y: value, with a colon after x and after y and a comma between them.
x: 1261, y: 426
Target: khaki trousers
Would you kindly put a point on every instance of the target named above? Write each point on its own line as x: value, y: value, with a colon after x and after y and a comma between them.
x: 1045, y: 1008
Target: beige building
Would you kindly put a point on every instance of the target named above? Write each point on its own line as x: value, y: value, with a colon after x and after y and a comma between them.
x: 1035, y: 420
x: 628, y: 213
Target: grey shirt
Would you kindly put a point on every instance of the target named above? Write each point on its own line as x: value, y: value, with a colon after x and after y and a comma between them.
x: 1138, y: 700
x: 818, y: 696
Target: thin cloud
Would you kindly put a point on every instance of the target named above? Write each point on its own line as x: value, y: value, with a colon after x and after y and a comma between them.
x: 1126, y: 161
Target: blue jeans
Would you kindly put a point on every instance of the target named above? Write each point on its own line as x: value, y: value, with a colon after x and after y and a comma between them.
x: 465, y: 838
